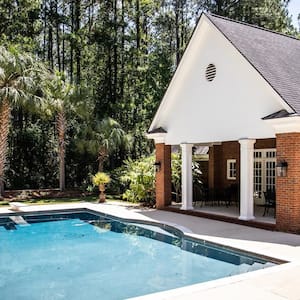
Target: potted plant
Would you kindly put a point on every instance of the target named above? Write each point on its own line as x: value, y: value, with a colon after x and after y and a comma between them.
x: 101, y: 179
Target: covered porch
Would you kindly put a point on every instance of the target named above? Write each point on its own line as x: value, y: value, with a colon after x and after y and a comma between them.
x: 241, y: 160
x: 223, y: 91
x: 233, y: 182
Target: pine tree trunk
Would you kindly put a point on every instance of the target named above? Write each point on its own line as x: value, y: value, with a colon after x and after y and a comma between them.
x: 63, y: 37
x: 50, y: 47
x: 138, y: 30
x: 4, y: 129
x: 44, y: 29
x: 57, y: 38
x: 72, y: 42
x: 77, y: 47
x: 177, y: 32
x: 122, y: 75
x: 115, y: 52
x: 61, y: 129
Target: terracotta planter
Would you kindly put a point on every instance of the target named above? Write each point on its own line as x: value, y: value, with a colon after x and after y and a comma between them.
x: 102, y: 194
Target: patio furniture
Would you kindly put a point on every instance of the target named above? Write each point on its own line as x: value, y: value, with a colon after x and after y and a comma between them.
x: 232, y: 195
x: 200, y: 194
x: 270, y: 201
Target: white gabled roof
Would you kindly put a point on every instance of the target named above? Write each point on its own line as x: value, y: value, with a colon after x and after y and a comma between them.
x: 230, y: 107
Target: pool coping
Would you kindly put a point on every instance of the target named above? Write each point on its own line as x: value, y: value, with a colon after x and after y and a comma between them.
x: 284, y: 264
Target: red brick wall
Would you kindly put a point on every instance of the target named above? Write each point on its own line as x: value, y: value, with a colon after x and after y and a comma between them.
x: 163, y: 177
x: 288, y: 188
x: 265, y: 144
x: 231, y: 150
x: 218, y: 156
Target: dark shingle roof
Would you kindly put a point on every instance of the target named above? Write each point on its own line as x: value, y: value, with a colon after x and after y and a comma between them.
x: 275, y: 56
x: 157, y: 130
x: 280, y: 114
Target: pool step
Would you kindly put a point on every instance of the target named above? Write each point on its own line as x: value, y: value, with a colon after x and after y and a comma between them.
x: 18, y: 220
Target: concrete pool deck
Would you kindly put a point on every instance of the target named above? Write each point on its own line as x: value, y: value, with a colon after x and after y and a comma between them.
x: 279, y: 282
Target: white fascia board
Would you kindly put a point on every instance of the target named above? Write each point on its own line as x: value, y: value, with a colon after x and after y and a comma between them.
x: 159, y: 138
x: 183, y: 62
x: 285, y: 125
x: 178, y: 77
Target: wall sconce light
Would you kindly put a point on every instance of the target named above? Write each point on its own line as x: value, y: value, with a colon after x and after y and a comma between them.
x: 281, y: 168
x: 157, y: 166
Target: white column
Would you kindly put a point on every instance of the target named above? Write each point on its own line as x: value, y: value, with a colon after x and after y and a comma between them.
x: 186, y: 176
x: 246, y: 179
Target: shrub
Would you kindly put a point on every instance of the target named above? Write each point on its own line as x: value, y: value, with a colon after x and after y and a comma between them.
x: 139, y: 176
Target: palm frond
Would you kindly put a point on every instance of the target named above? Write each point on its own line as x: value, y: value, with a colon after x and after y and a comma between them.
x: 19, y: 79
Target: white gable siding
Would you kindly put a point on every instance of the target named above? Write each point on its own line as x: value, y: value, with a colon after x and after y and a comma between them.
x: 230, y: 107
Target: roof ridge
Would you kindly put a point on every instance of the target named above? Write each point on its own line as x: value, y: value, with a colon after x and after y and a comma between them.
x: 251, y: 25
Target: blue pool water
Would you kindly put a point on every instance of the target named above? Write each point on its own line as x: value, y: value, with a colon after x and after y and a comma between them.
x: 85, y: 256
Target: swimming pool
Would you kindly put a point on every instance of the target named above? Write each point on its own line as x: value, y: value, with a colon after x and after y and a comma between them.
x: 81, y: 255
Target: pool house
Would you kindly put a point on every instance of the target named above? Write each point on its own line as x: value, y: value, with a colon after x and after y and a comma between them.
x: 236, y: 93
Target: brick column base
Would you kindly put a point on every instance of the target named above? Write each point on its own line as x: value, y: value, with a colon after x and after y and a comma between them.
x: 163, y: 176
x: 288, y: 188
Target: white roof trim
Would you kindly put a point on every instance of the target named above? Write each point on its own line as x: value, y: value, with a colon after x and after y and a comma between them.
x: 202, y: 22
x: 285, y: 125
x: 177, y: 72
x: 159, y: 138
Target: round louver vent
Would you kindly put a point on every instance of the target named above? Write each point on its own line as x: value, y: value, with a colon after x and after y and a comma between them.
x: 210, y: 73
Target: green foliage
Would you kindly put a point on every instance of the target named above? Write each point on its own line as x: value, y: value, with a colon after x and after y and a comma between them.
x: 19, y: 77
x: 120, y: 56
x: 270, y: 14
x: 139, y: 176
x: 20, y: 23
x: 58, y: 92
x: 176, y: 173
x: 102, y: 139
x: 100, y: 178
x: 31, y: 156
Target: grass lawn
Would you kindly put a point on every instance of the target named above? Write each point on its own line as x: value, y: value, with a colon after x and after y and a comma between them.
x: 92, y: 199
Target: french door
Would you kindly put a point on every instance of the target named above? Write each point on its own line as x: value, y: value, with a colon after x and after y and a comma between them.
x: 264, y: 171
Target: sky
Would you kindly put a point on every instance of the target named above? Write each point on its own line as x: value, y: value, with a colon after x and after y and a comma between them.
x: 294, y: 9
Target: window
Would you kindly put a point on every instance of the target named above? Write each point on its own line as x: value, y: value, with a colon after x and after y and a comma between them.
x: 231, y: 169
x: 264, y: 171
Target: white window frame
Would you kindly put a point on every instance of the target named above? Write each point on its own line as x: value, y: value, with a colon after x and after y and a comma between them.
x: 268, y: 178
x: 230, y: 169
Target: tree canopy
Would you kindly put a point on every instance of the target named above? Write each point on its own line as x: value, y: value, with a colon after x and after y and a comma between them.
x: 120, y: 56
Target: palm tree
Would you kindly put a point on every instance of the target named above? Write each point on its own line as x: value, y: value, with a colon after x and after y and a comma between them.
x: 58, y: 91
x: 20, y: 75
x: 102, y: 139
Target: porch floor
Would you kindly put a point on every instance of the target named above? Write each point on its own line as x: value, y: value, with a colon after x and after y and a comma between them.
x: 231, y: 211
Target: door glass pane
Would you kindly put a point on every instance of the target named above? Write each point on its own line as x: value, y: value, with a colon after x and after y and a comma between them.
x: 270, y: 175
x: 257, y: 179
